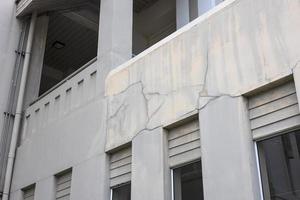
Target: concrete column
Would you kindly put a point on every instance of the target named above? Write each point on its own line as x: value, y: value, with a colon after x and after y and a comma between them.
x: 182, y: 13
x: 37, y: 60
x: 45, y: 189
x: 150, y: 171
x: 90, y: 179
x: 204, y: 6
x: 115, y: 32
x: 228, y: 157
x: 188, y: 10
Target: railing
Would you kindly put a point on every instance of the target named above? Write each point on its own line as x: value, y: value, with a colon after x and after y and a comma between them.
x: 73, y: 91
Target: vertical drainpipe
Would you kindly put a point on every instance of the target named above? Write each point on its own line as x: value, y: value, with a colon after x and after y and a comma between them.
x: 19, y: 109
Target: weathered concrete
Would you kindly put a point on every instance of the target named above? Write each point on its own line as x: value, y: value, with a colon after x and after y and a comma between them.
x: 115, y: 32
x: 89, y: 179
x: 150, y: 170
x: 58, y: 150
x: 234, y: 48
x: 45, y: 189
x: 228, y: 156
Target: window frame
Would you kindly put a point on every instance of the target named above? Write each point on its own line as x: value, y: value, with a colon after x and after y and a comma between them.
x: 260, y: 172
x: 29, y: 187
x: 118, y: 186
x: 179, y: 166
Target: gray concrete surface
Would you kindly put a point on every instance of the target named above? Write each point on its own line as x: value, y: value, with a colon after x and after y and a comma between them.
x: 150, y: 170
x: 228, y: 156
x: 10, y: 30
x: 236, y: 47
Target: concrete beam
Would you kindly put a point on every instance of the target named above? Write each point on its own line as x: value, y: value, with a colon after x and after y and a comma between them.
x: 88, y: 23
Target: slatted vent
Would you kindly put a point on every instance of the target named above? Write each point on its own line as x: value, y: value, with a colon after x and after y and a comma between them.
x: 184, y: 143
x: 63, y: 185
x: 274, y: 111
x: 28, y: 193
x: 120, y: 167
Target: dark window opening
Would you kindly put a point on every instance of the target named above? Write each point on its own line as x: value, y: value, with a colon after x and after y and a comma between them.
x: 187, y: 181
x: 280, y: 166
x: 122, y: 192
x: 72, y: 41
x: 153, y: 20
x: 28, y: 192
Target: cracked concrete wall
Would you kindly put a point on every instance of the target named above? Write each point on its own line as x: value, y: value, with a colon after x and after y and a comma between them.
x: 234, y: 48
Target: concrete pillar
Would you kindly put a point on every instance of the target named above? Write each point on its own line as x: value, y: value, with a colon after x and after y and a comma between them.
x: 90, y: 179
x: 45, y: 189
x: 228, y: 156
x: 182, y: 13
x: 188, y: 10
x: 37, y: 60
x: 204, y: 6
x: 150, y: 171
x: 115, y: 32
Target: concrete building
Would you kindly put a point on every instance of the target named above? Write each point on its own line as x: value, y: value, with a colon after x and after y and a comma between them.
x: 150, y: 99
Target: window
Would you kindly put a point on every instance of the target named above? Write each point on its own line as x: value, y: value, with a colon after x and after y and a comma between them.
x: 120, y: 174
x: 280, y: 166
x: 63, y: 185
x: 184, y: 143
x: 28, y: 193
x: 120, y: 167
x: 187, y: 182
x: 121, y: 192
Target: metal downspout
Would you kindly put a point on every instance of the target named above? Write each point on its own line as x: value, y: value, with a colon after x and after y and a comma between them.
x: 19, y: 109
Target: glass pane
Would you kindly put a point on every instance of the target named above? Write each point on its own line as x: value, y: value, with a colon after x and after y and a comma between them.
x: 122, y: 192
x: 188, y: 182
x: 280, y: 166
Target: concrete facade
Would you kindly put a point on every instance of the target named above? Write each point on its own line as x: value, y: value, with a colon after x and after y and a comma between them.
x: 10, y: 33
x: 205, y: 69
